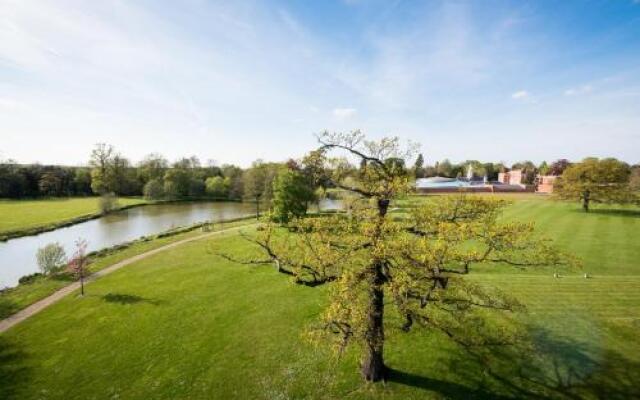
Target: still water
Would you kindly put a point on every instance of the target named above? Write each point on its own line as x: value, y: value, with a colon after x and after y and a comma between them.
x: 18, y: 256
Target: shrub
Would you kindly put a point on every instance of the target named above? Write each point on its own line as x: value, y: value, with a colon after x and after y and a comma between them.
x: 108, y: 203
x: 154, y: 189
x: 29, y: 278
x: 51, y: 258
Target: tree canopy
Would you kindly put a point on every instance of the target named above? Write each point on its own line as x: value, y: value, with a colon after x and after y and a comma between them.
x: 596, y: 180
x: 418, y: 260
x: 292, y: 193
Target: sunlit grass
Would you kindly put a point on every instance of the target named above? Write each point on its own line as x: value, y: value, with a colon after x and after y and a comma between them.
x: 25, y: 214
x: 188, y: 324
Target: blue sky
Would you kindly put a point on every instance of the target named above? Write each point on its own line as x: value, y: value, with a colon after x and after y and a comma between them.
x: 234, y: 81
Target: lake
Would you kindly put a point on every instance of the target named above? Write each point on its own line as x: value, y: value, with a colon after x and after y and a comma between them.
x: 18, y: 256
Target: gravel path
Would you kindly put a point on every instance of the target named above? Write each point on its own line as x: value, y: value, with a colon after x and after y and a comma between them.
x: 47, y: 301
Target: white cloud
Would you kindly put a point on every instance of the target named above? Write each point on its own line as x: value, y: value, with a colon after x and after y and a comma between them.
x: 584, y: 89
x: 344, y: 113
x: 520, y: 95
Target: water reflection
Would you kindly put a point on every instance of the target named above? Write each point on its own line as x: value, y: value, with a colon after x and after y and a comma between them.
x: 17, y: 256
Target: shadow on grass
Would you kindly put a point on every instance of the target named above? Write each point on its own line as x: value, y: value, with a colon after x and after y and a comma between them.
x: 628, y: 213
x: 122, y: 298
x: 546, y: 368
x: 13, y: 373
x: 449, y: 390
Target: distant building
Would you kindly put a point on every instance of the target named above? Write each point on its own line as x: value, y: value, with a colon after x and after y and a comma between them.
x: 514, y: 177
x: 545, y: 183
x: 440, y: 184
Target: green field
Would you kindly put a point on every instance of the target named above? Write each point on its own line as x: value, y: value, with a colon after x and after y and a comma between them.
x: 16, y: 298
x: 187, y: 324
x: 26, y: 214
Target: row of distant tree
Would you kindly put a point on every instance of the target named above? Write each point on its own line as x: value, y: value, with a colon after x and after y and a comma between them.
x: 108, y: 172
x: 156, y: 178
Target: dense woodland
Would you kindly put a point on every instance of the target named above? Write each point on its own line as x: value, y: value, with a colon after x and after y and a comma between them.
x: 156, y: 178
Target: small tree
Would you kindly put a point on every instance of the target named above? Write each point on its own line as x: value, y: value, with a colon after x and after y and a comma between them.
x: 594, y: 180
x: 108, y: 203
x: 418, y: 166
x: 292, y: 193
x: 154, y: 189
x: 51, y: 258
x: 79, y: 262
x: 414, y: 262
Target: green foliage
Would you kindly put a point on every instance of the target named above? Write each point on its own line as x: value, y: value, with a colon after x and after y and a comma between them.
x: 177, y: 182
x: 101, y: 175
x: 425, y: 256
x: 292, y: 193
x: 51, y: 258
x: 543, y: 168
x: 216, y: 186
x: 82, y: 181
x: 154, y: 189
x: 418, y: 260
x: 634, y: 180
x: 196, y: 187
x: 153, y: 166
x: 258, y: 180
x: 50, y: 184
x: 529, y: 171
x: 108, y: 202
x: 598, y: 181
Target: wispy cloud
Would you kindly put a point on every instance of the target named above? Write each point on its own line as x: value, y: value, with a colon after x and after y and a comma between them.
x: 344, y: 113
x: 141, y: 74
x: 520, y: 95
x: 580, y: 90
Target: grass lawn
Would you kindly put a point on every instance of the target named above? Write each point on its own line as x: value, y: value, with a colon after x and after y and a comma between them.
x: 25, y: 214
x: 187, y: 324
x: 15, y: 299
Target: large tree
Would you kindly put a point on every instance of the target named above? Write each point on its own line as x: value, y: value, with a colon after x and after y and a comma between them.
x: 596, y: 180
x: 418, y: 260
x: 102, y: 162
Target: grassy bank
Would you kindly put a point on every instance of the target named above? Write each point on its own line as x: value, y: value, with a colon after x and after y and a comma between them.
x: 15, y: 299
x: 29, y: 217
x: 188, y: 324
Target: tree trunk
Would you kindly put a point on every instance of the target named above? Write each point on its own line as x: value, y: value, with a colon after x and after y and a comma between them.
x: 585, y: 200
x: 373, y: 368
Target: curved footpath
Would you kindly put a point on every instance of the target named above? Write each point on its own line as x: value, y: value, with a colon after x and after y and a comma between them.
x: 38, y: 306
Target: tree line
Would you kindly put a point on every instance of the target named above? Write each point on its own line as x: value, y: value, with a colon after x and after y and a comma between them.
x: 109, y: 172
x: 154, y: 177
